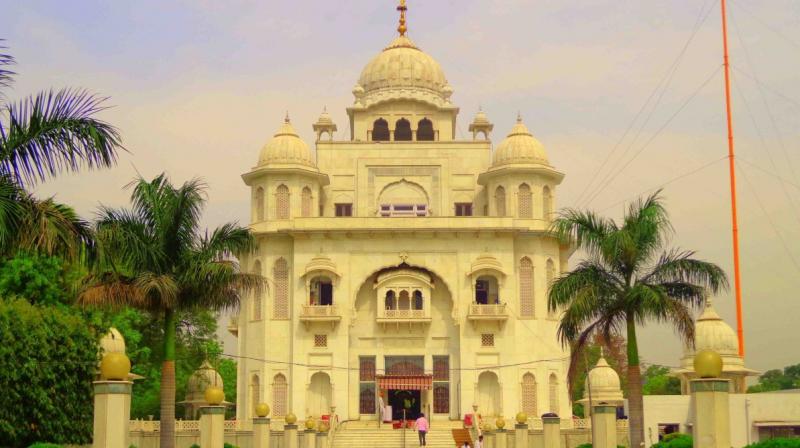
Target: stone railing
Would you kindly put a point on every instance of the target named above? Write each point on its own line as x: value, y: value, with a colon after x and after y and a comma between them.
x: 319, y: 311
x: 180, y: 425
x: 495, y: 309
x: 403, y: 314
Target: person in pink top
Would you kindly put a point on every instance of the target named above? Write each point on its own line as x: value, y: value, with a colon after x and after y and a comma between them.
x: 421, y: 425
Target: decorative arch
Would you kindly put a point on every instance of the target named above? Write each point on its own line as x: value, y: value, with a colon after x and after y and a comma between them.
x: 320, y: 394
x: 547, y: 203
x: 259, y: 200
x: 403, y: 198
x: 280, y: 395
x: 257, y: 300
x: 525, y: 201
x: 425, y: 131
x: 550, y: 275
x: 528, y: 398
x: 380, y: 130
x: 500, y: 200
x: 553, y: 389
x: 402, y: 131
x: 255, y: 392
x: 280, y: 274
x: 305, y: 202
x: 282, y: 202
x: 489, y: 393
x: 526, y: 297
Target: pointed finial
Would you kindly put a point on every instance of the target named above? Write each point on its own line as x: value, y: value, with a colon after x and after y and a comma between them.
x: 709, y: 302
x: 519, y: 117
x: 324, y: 109
x: 286, y: 119
x: 602, y: 352
x: 402, y: 27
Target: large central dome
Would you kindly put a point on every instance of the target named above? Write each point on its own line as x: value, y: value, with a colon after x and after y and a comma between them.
x: 400, y: 71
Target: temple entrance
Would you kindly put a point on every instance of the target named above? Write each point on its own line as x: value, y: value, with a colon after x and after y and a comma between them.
x: 409, y: 401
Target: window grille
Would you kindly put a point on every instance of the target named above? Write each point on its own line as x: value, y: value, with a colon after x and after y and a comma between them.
x: 279, y: 395
x: 529, y: 394
x: 487, y: 340
x: 525, y: 206
x: 320, y: 340
x: 281, y: 276
x: 526, y: 298
x: 305, y: 203
x: 282, y: 202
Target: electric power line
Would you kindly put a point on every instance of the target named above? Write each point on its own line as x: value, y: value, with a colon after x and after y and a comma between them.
x: 766, y: 25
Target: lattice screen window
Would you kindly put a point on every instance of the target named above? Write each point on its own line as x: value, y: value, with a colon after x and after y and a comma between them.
x: 320, y: 340
x: 529, y: 394
x: 282, y: 202
x: 547, y: 203
x: 280, y: 392
x: 526, y: 304
x: 305, y: 203
x: 551, y: 275
x: 259, y: 200
x: 256, y: 297
x: 255, y: 392
x: 525, y: 201
x: 281, y: 277
x: 500, y: 200
x: 553, y: 393
x: 487, y: 340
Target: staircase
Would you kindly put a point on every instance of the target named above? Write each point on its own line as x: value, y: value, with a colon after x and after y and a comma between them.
x: 367, y: 435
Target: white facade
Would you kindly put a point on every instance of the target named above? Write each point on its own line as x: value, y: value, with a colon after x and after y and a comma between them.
x: 406, y: 253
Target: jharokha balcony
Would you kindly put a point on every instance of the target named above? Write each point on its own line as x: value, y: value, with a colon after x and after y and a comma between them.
x: 320, y: 313
x: 494, y: 312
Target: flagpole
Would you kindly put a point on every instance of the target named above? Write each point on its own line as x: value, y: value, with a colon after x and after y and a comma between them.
x: 732, y: 168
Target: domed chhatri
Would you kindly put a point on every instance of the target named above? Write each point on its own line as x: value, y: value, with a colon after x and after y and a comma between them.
x: 262, y: 410
x: 520, y: 146
x: 115, y: 366
x: 708, y: 364
x: 112, y: 342
x: 214, y: 395
x: 286, y: 147
x: 202, y: 378
x: 603, y: 383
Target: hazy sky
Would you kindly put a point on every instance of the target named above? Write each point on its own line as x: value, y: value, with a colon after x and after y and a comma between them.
x: 198, y: 86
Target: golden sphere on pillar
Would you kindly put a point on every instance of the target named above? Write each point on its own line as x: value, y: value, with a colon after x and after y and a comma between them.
x: 487, y: 427
x: 324, y: 427
x: 290, y: 418
x: 262, y: 410
x: 115, y: 366
x: 522, y: 418
x: 500, y: 423
x: 214, y: 396
x: 708, y: 364
x: 310, y: 423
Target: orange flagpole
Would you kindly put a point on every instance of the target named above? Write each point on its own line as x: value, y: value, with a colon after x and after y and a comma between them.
x: 732, y: 167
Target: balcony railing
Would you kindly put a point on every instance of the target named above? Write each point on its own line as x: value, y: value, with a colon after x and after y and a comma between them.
x: 495, y: 311
x: 320, y: 313
x: 403, y: 315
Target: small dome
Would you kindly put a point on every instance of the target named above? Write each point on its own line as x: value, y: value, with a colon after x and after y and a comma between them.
x: 400, y: 70
x: 200, y: 380
x: 481, y: 118
x: 325, y: 117
x: 286, y: 147
x: 520, y: 147
x: 112, y: 342
x: 713, y: 333
x: 604, y: 383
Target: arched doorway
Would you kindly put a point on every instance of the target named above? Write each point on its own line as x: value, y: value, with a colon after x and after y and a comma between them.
x: 488, y: 394
x: 320, y: 394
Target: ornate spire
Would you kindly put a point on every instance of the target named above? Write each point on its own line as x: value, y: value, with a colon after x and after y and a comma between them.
x: 402, y: 27
x: 286, y: 119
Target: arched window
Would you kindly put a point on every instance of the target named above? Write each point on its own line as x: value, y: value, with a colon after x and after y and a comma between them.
x: 259, y: 200
x: 524, y: 198
x: 305, y: 202
x: 280, y: 392
x: 404, y: 302
x: 255, y: 392
x: 390, y: 301
x: 500, y: 201
x: 487, y: 290
x: 526, y: 304
x: 551, y: 275
x: 282, y: 202
x: 321, y: 291
x: 280, y: 273
x: 425, y: 130
x: 488, y: 394
x: 418, y: 300
x: 547, y: 204
x: 553, y: 393
x: 402, y: 130
x: 380, y: 130
x: 529, y: 394
x: 256, y: 297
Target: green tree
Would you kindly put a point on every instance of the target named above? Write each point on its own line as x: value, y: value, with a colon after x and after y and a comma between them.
x: 658, y: 381
x: 39, y: 279
x: 627, y: 279
x: 41, y: 136
x: 777, y: 379
x: 153, y: 257
x: 48, y: 360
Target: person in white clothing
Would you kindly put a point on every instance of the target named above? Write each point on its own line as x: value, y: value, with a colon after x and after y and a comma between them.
x: 479, y: 442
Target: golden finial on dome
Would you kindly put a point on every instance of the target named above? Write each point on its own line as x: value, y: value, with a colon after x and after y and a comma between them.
x: 286, y: 119
x: 402, y: 27
x: 519, y: 117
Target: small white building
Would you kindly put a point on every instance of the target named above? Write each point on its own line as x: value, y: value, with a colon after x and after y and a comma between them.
x: 753, y: 417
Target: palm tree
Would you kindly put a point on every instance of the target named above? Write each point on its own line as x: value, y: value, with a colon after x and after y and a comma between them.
x: 41, y: 136
x: 153, y: 257
x: 628, y: 279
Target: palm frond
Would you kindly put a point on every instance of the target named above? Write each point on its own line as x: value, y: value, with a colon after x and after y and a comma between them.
x: 227, y: 240
x: 584, y: 229
x: 11, y: 213
x: 160, y: 290
x: 678, y: 266
x: 125, y: 240
x: 53, y: 132
x: 6, y: 60
x: 55, y: 229
x: 113, y: 291
x: 648, y: 226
